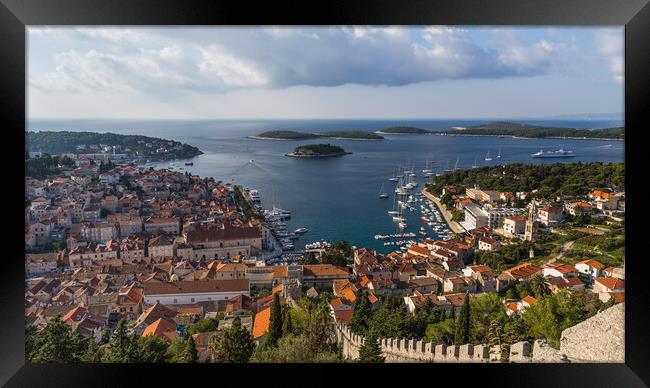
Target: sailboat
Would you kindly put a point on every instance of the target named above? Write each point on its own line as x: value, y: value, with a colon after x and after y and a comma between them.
x: 394, y: 212
x: 499, y: 154
x: 395, y: 177
x: 426, y: 170
x: 382, y: 194
x: 488, y: 157
x: 456, y: 165
x: 475, y: 165
x: 447, y: 169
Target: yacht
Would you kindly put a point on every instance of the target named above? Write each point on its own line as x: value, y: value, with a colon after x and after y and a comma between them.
x: 301, y: 230
x: 402, y: 225
x: 399, y: 218
x: 561, y: 153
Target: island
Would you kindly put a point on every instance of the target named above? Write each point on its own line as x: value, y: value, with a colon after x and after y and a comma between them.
x: 352, y: 135
x: 94, y: 145
x: 536, y: 131
x: 295, y: 135
x: 403, y: 131
x: 284, y: 135
x: 317, y: 151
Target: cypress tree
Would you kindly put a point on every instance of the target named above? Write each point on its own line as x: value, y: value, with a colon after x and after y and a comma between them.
x: 287, y: 325
x: 370, y: 351
x: 463, y: 323
x: 362, y: 314
x: 190, y: 350
x: 275, y: 323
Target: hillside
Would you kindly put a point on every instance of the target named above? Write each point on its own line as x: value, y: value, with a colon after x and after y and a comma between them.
x: 404, y: 131
x: 137, y: 146
x: 533, y: 131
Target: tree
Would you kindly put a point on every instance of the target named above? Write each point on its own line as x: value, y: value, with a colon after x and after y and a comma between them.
x: 53, y: 343
x: 362, y: 314
x: 150, y: 348
x: 287, y: 325
x: 123, y: 348
x: 370, y: 351
x: 463, y: 325
x: 538, y: 286
x: 275, y: 323
x: 236, y: 346
x: 93, y: 353
x: 203, y: 325
x: 190, y: 350
x: 295, y: 349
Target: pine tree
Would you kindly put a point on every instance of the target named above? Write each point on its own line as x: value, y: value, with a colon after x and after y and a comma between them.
x: 122, y: 348
x: 275, y: 323
x: 53, y: 344
x: 463, y: 323
x: 370, y: 351
x: 236, y: 346
x: 362, y: 314
x: 93, y: 352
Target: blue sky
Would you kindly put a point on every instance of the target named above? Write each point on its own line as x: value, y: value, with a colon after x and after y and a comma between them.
x: 326, y: 72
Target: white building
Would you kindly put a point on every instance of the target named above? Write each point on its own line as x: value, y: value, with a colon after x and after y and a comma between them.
x: 189, y: 292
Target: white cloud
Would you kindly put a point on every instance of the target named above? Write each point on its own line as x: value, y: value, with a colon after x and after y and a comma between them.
x: 610, y: 44
x: 229, y: 69
x: 216, y: 60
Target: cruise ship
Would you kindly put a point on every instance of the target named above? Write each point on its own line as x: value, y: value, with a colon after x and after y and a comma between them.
x: 561, y: 153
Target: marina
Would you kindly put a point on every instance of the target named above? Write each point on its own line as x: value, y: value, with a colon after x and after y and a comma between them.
x: 337, y: 199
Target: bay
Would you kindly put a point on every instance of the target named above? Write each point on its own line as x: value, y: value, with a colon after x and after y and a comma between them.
x: 337, y: 198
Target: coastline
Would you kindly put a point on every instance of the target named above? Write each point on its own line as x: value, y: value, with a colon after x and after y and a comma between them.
x: 530, y: 138
x: 293, y: 155
x: 453, y: 225
x: 254, y: 137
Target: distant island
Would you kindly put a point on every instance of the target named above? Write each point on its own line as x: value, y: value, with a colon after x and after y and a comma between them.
x: 403, y: 131
x: 535, y: 131
x: 356, y: 135
x: 317, y: 151
x: 113, y: 145
x: 284, y: 135
x: 295, y: 135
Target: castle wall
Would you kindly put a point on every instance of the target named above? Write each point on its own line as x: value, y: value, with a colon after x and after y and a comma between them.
x: 600, y: 338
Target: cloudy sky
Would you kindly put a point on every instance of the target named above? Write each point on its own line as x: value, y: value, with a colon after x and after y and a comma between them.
x: 333, y: 72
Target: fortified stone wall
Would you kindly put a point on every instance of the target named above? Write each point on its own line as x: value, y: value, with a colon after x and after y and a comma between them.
x: 599, y: 338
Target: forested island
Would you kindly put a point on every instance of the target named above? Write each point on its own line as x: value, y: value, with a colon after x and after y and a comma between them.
x: 550, y: 180
x: 317, y: 151
x: 133, y: 146
x: 403, y: 131
x: 534, y: 131
x: 295, y: 135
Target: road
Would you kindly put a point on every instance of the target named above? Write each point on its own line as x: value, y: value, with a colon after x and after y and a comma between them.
x: 565, y: 247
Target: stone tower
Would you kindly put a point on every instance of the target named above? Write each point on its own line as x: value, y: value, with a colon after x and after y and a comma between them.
x: 531, y: 227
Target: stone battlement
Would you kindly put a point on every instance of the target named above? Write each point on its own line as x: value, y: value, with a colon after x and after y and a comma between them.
x: 604, y: 332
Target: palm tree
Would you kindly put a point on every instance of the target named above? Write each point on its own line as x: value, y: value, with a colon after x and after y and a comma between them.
x: 538, y: 286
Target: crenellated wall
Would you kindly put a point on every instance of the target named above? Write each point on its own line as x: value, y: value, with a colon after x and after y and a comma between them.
x: 405, y: 350
x: 603, y: 331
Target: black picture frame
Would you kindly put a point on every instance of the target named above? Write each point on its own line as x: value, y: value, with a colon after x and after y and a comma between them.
x: 15, y: 15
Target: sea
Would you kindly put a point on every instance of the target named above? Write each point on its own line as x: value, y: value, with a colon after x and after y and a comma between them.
x: 338, y: 198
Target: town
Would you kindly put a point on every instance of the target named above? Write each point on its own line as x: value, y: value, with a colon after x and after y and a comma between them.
x: 125, y: 263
